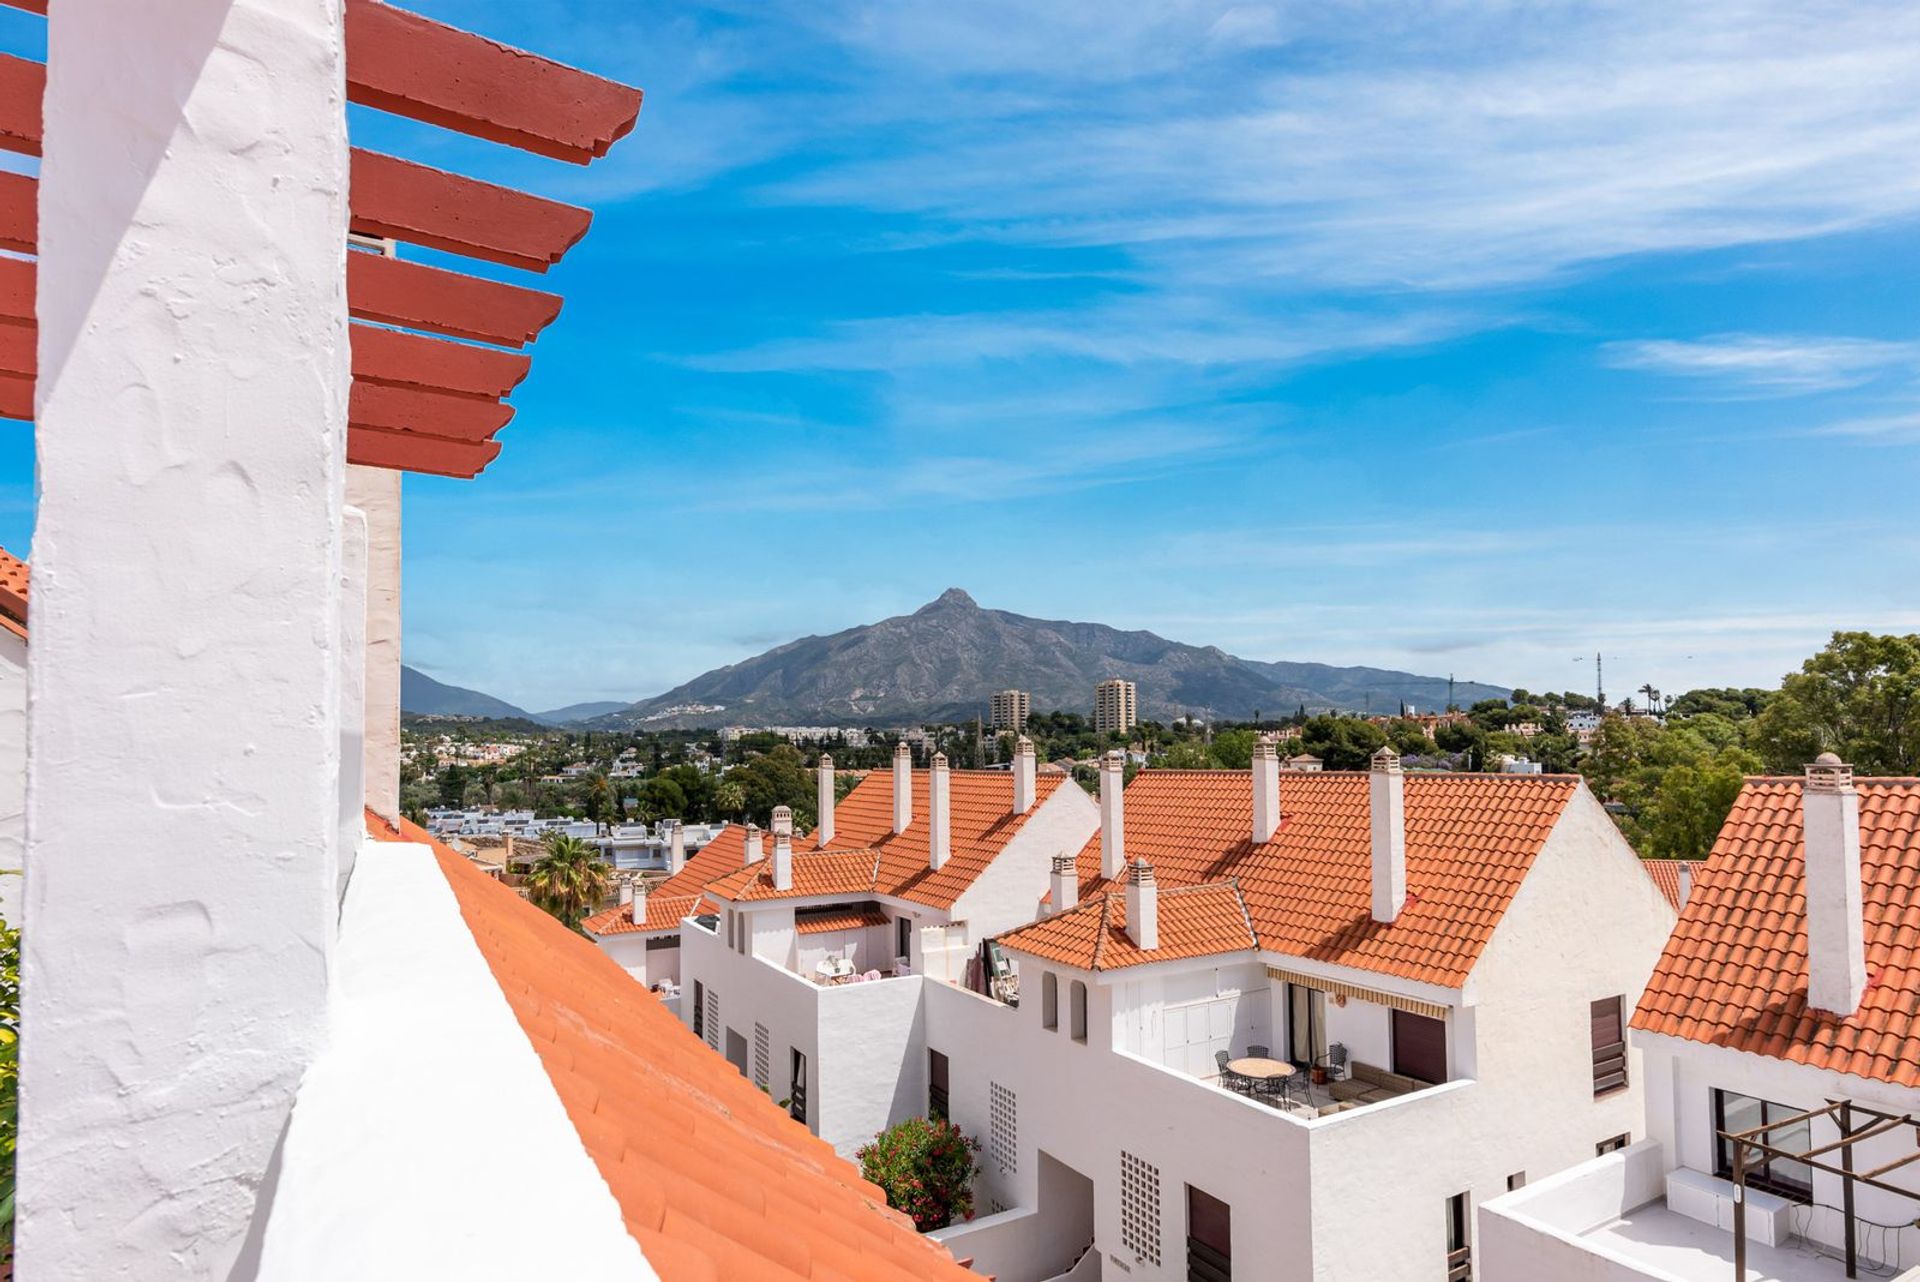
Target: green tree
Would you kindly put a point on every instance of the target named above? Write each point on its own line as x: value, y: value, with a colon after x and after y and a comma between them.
x: 1859, y: 697
x: 1342, y: 743
x: 569, y: 879
x: 1187, y: 754
x: 925, y: 1167
x: 1689, y: 805
x: 1233, y: 749
x: 453, y: 785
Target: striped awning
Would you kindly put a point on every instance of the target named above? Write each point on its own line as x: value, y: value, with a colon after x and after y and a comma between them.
x: 1411, y: 1005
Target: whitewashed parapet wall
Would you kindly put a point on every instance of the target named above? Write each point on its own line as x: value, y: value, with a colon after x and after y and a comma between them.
x: 376, y: 492
x: 184, y: 752
x: 13, y: 774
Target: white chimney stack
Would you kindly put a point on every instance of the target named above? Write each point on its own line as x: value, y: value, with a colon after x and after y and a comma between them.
x: 755, y: 851
x: 637, y: 911
x: 1143, y: 908
x: 1113, y: 847
x: 825, y: 830
x: 782, y: 848
x: 1024, y: 771
x: 676, y: 848
x: 1836, y: 942
x: 939, y: 814
x: 626, y: 893
x: 1066, y: 883
x: 1388, y: 816
x: 1266, y: 790
x: 902, y: 787
x: 1686, y: 881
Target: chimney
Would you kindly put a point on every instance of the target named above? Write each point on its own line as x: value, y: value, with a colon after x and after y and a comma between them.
x: 824, y: 833
x: 902, y: 786
x: 755, y: 852
x: 1143, y: 908
x: 1266, y: 790
x: 676, y: 847
x: 939, y: 814
x: 782, y: 848
x: 637, y: 911
x: 1388, y: 796
x: 626, y: 892
x: 1686, y: 881
x: 1113, y: 850
x: 1023, y: 775
x: 1836, y: 944
x: 1066, y: 883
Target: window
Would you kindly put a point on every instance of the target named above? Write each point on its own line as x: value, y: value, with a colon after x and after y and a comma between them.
x: 699, y: 1009
x: 1077, y: 1015
x: 657, y: 942
x: 1419, y: 1047
x: 797, y: 1089
x: 1734, y: 1113
x: 1518, y: 1180
x: 936, y: 1084
x: 1612, y: 1145
x: 1609, y: 1046
x: 1459, y: 1240
x: 904, y: 928
x: 1049, y: 1000
x: 1306, y: 1025
x: 1209, y: 1238
x: 762, y: 1057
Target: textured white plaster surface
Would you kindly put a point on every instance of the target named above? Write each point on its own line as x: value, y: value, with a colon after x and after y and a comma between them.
x: 401, y: 1161
x: 376, y: 492
x: 1008, y: 891
x: 353, y: 689
x: 13, y: 775
x: 190, y: 443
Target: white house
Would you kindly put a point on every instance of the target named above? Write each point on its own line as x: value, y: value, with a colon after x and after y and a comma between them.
x: 1457, y: 952
x: 1788, y: 999
x: 809, y: 979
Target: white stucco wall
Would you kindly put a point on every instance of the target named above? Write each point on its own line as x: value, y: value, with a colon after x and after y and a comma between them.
x: 1682, y: 1077
x: 13, y: 775
x: 190, y: 444
x: 1534, y: 1232
x: 647, y: 965
x: 376, y: 492
x: 1009, y: 891
x: 383, y: 1172
x: 868, y: 947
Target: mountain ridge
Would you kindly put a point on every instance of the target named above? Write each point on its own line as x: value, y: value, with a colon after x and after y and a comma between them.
x: 943, y: 662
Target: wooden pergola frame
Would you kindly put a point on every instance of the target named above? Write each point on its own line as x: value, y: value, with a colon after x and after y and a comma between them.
x: 1843, y: 1112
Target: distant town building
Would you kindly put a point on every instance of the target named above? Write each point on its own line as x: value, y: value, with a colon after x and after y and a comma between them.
x: 1115, y: 710
x: 1010, y: 710
x: 1305, y: 762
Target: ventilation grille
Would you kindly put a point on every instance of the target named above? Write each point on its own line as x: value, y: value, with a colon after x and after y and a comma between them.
x: 1140, y: 1207
x: 762, y: 1071
x: 1003, y: 1134
x: 713, y: 1019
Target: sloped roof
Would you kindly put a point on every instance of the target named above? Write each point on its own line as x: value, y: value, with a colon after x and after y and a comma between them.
x: 852, y: 919
x: 715, y: 1181
x: 670, y: 900
x: 1734, y: 971
x: 1470, y: 840
x: 983, y: 822
x: 1666, y: 875
x: 13, y: 593
x: 1195, y: 921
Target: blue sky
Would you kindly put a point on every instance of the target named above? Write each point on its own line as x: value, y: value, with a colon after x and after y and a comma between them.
x: 1462, y: 338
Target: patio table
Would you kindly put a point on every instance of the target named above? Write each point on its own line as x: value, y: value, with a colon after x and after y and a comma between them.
x: 1262, y: 1076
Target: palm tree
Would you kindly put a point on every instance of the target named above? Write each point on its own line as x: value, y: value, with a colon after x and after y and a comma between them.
x: 569, y: 879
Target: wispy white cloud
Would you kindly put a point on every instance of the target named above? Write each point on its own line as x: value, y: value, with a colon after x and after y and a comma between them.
x: 1887, y: 429
x: 1769, y: 364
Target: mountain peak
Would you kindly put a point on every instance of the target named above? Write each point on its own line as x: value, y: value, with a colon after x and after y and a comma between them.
x: 952, y: 597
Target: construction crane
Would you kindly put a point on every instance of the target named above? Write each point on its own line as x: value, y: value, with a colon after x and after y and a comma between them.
x: 1599, y: 686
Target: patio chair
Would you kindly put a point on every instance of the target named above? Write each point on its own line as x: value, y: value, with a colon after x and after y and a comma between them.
x: 1229, y: 1079
x: 1257, y: 1052
x: 1334, y: 1061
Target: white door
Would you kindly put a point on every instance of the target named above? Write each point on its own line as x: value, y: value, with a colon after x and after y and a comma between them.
x: 1195, y: 1031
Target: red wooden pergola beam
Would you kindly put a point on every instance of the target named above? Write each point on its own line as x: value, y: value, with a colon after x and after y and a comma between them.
x: 19, y: 212
x: 31, y: 6
x: 400, y: 200
x: 16, y: 396
x: 415, y: 452
x: 18, y: 289
x: 442, y: 302
x: 22, y: 85
x: 18, y: 343
x: 425, y: 70
x: 415, y: 360
x: 413, y: 409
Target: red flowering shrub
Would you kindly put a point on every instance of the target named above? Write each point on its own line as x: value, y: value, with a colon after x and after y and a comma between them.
x: 926, y: 1170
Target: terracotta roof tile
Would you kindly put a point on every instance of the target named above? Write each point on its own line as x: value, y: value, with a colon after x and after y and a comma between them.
x: 828, y: 872
x: 856, y: 919
x: 715, y: 1181
x: 1195, y: 921
x: 1470, y: 840
x: 13, y: 593
x: 1666, y: 875
x: 983, y: 822
x: 667, y: 900
x: 1734, y: 972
